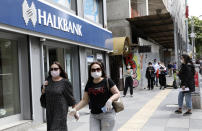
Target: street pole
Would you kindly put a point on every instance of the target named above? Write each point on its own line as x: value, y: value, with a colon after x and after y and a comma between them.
x: 193, y: 39
x: 186, y: 22
x: 200, y: 48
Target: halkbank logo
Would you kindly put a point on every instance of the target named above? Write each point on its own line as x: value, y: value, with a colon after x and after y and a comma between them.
x: 29, y: 13
x: 47, y: 19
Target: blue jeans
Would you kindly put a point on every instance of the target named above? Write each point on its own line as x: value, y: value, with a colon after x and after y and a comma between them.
x: 188, y: 99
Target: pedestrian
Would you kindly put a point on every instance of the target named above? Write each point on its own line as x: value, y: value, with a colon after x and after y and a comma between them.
x: 174, y: 79
x: 156, y: 67
x: 186, y: 75
x: 162, y: 76
x: 174, y: 66
x: 102, y: 117
x: 128, y: 83
x: 59, y: 96
x: 150, y: 75
x: 170, y: 67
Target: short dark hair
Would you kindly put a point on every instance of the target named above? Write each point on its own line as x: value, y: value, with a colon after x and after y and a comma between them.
x: 149, y: 63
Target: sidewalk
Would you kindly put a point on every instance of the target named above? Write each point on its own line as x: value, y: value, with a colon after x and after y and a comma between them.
x: 145, y: 111
x: 164, y: 118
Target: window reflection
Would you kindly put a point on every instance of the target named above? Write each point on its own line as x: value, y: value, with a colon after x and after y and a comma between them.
x: 93, y: 10
x: 9, y: 79
x: 70, y: 4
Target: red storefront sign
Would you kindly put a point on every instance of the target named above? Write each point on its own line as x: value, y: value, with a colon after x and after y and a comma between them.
x: 196, y: 79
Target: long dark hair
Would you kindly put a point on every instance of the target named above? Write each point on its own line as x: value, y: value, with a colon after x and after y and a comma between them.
x: 90, y: 78
x: 62, y: 71
x: 187, y: 59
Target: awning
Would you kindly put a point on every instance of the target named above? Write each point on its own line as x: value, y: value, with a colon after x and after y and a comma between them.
x: 159, y: 28
x: 120, y: 45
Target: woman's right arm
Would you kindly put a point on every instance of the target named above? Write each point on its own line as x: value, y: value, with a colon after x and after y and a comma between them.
x: 83, y: 102
x: 43, y: 87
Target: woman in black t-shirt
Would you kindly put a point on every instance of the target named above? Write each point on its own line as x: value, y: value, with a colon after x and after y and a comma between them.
x: 100, y: 97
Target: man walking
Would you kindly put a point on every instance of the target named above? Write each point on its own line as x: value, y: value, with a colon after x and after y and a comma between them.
x: 150, y: 74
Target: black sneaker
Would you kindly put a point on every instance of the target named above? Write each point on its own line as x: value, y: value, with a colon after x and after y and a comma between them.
x: 187, y: 113
x: 178, y: 112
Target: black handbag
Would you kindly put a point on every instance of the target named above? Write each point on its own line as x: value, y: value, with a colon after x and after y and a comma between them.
x: 43, y: 100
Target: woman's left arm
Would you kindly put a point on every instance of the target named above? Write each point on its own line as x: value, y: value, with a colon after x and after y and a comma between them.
x: 116, y: 93
x: 68, y: 93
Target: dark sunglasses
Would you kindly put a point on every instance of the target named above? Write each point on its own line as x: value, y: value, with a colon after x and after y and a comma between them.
x: 55, y: 69
x: 96, y: 69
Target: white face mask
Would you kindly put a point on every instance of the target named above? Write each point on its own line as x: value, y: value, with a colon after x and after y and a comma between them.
x: 55, y: 73
x: 129, y: 71
x: 182, y: 61
x: 96, y: 74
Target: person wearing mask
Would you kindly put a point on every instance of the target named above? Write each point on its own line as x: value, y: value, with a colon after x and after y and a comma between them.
x: 162, y: 76
x: 128, y: 83
x: 170, y: 69
x: 156, y: 67
x: 186, y: 75
x: 150, y: 75
x: 59, y: 96
x: 101, y: 96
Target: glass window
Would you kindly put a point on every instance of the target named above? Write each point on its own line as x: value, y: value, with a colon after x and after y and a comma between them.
x: 68, y: 63
x: 93, y: 10
x: 9, y: 82
x: 56, y: 54
x: 70, y: 4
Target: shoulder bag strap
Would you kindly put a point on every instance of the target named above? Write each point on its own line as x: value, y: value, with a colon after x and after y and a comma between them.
x: 108, y: 84
x: 110, y: 94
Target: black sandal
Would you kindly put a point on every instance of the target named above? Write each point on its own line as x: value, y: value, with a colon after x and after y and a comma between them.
x: 187, y: 113
x: 178, y: 111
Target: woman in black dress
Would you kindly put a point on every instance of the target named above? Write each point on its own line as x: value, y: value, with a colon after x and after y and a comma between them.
x: 59, y: 96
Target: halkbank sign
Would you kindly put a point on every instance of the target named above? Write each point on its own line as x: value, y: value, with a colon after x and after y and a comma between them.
x: 37, y: 16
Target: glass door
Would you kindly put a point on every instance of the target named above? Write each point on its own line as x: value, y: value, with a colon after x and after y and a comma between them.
x: 9, y: 79
x: 52, y: 54
x: 68, y: 57
x: 68, y: 63
x: 62, y: 55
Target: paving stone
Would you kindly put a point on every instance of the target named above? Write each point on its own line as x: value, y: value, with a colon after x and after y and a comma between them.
x: 156, y: 122
x: 178, y: 116
x: 196, y: 115
x: 196, y: 124
x: 195, y: 129
x: 176, y: 129
x: 161, y: 115
x: 154, y: 128
x: 178, y: 123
